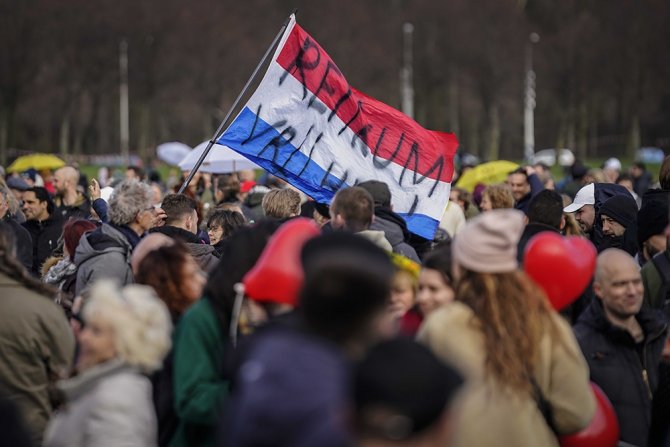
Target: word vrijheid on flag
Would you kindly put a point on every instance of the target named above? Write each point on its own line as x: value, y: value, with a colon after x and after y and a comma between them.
x: 307, y: 125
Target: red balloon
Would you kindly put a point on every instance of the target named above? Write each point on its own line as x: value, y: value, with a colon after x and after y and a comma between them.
x: 278, y: 276
x: 562, y: 266
x: 602, y: 431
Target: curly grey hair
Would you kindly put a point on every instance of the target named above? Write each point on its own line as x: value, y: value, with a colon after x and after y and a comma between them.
x: 129, y: 198
x: 141, y: 322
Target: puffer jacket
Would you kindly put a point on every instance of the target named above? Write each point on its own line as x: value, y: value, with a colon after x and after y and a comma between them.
x: 103, y: 253
x: 627, y: 377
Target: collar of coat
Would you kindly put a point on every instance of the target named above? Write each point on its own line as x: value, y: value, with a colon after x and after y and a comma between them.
x: 651, y: 322
x: 81, y: 384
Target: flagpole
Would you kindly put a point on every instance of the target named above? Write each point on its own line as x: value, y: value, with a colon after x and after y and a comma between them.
x: 212, y: 141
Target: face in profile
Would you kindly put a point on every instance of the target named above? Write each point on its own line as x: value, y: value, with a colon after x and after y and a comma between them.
x: 402, y: 293
x: 96, y: 341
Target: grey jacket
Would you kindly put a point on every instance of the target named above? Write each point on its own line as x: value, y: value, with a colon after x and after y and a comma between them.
x: 103, y: 253
x: 107, y: 405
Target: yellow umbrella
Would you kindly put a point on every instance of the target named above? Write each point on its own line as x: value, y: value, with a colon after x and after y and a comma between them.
x: 486, y: 173
x: 36, y: 161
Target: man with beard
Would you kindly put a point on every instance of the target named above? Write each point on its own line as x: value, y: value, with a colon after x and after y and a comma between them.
x: 618, y: 216
x: 69, y: 201
x: 586, y: 207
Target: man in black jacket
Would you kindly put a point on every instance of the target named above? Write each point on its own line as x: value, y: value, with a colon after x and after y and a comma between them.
x: 43, y: 224
x: 545, y: 213
x: 24, y: 242
x: 623, y: 343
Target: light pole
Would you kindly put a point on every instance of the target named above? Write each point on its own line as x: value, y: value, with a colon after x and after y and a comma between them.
x: 124, y: 121
x: 529, y: 101
x: 407, y: 88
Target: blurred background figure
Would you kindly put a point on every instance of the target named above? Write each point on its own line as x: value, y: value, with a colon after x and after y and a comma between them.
x: 402, y: 395
x: 126, y: 334
x: 497, y: 197
x: 36, y: 343
x: 178, y: 282
x: 221, y: 224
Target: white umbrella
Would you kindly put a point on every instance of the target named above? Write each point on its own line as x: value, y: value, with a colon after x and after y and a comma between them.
x: 173, y: 152
x: 220, y: 160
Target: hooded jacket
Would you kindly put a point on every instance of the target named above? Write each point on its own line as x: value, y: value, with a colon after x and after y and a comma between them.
x: 202, y: 253
x: 103, y: 253
x: 396, y: 232
x: 628, y: 377
x: 623, y: 209
x: 602, y: 192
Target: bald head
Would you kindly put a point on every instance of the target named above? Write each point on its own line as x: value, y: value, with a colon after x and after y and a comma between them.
x: 66, y: 179
x: 618, y: 284
x: 609, y: 259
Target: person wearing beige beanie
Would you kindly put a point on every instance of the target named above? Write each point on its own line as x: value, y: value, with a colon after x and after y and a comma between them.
x: 503, y: 336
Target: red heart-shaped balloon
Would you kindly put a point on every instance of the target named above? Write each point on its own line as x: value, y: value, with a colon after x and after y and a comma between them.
x: 562, y: 266
x: 602, y: 431
x: 278, y: 275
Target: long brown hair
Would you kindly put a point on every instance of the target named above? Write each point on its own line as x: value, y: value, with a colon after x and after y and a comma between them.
x: 163, y: 269
x: 514, y: 315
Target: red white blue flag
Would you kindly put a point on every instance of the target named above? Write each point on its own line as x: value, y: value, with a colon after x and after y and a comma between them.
x: 307, y: 125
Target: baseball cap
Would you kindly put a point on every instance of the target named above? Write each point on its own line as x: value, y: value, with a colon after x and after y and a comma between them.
x: 612, y: 163
x: 585, y: 196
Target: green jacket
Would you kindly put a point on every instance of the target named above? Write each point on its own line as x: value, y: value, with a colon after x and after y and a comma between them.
x: 36, y: 348
x: 199, y: 387
x: 652, y: 281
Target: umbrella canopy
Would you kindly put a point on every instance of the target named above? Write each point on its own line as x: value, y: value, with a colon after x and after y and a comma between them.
x: 220, y: 160
x: 486, y: 173
x: 37, y: 162
x: 173, y: 152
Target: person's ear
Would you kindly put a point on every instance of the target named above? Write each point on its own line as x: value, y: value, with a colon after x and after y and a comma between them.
x: 562, y: 225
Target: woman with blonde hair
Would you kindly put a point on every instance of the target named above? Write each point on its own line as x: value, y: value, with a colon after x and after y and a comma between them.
x: 513, y: 349
x: 126, y: 335
x: 496, y: 197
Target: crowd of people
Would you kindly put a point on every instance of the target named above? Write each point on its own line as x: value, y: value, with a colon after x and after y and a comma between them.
x: 242, y: 313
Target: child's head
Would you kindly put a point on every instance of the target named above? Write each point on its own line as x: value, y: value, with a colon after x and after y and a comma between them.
x: 405, y: 285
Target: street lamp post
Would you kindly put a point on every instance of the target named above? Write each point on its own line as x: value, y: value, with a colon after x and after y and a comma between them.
x: 407, y: 88
x: 529, y: 101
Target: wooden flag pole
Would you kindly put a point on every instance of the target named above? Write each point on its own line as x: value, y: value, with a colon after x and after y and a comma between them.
x: 216, y: 135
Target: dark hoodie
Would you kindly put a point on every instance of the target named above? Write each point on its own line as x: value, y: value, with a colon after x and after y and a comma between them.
x: 602, y: 192
x: 202, y: 253
x: 395, y: 231
x: 618, y: 365
x: 623, y: 209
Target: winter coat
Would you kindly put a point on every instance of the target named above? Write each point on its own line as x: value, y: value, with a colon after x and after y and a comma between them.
x: 536, y: 187
x: 531, y: 230
x: 490, y: 416
x: 106, y: 405
x: 378, y: 238
x: 23, y: 242
x: 103, y: 253
x: 81, y: 209
x: 199, y: 387
x: 292, y: 390
x: 36, y: 346
x: 202, y: 253
x: 44, y: 237
x: 628, y: 377
x: 396, y: 232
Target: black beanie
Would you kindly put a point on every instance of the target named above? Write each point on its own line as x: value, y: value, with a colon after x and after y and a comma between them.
x: 621, y: 208
x: 651, y: 220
